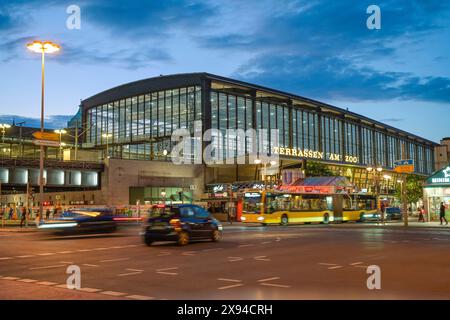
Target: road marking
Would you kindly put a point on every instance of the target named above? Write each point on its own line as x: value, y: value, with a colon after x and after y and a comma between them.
x: 25, y: 256
x: 46, y: 254
x: 355, y: 263
x: 245, y: 245
x: 231, y: 286
x: 114, y: 260
x: 90, y: 265
x: 262, y: 258
x: 137, y: 270
x: 46, y: 283
x: 84, y: 250
x: 138, y: 297
x: 212, y: 249
x: 64, y: 252
x: 66, y: 262
x: 164, y: 253
x: 27, y: 280
x: 5, y: 258
x: 233, y: 259
x: 266, y: 242
x: 361, y: 266
x: 89, y: 290
x: 164, y: 271
x: 10, y: 278
x: 230, y: 280
x: 269, y: 279
x: 327, y: 264
x: 335, y: 267
x: 49, y: 267
x: 275, y: 285
x: 278, y: 239
x: 64, y: 286
x: 189, y: 253
x: 100, y: 249
x: 128, y: 274
x: 113, y: 293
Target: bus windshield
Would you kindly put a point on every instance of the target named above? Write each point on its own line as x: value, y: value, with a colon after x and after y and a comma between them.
x: 357, y: 202
x: 252, y: 202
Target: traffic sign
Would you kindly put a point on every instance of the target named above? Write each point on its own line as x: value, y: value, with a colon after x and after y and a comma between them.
x: 46, y: 136
x: 46, y: 143
x: 404, y: 166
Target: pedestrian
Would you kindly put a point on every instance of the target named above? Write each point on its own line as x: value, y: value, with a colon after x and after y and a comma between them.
x: 11, y: 212
x: 47, y: 214
x: 442, y: 214
x: 36, y: 220
x: 3, y: 213
x: 23, y: 217
x: 422, y: 214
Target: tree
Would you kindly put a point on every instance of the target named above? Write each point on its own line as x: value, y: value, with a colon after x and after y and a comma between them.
x: 317, y: 169
x: 414, y: 189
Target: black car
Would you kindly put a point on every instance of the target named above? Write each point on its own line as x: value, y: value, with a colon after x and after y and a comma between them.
x: 85, y: 220
x: 181, y: 223
x: 393, y: 213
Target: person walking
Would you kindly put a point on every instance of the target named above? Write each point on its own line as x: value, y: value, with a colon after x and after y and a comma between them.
x: 47, y: 214
x: 11, y: 212
x: 422, y: 214
x: 23, y: 217
x: 442, y: 214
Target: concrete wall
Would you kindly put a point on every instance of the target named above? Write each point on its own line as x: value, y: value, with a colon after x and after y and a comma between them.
x: 120, y: 175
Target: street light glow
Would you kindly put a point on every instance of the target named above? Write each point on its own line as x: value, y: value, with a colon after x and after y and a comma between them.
x: 257, y: 161
x: 379, y: 169
x: 107, y: 135
x: 5, y: 126
x: 369, y: 169
x: 43, y: 46
x: 60, y: 131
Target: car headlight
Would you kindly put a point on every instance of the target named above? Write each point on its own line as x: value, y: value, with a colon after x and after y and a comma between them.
x: 220, y: 227
x: 260, y: 218
x: 243, y: 218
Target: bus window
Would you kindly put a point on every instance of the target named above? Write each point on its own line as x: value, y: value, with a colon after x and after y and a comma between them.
x: 252, y: 202
x: 278, y: 202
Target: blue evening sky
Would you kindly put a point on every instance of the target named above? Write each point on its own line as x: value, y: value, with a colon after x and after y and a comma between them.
x: 319, y: 49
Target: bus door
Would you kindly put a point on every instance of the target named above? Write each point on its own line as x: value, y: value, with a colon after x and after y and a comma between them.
x: 337, y: 207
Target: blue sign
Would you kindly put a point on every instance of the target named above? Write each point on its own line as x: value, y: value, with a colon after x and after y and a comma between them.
x: 406, y: 162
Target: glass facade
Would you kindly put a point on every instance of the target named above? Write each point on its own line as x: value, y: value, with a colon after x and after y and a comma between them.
x: 141, y: 127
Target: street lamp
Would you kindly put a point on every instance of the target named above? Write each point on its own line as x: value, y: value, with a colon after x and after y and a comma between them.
x: 163, y: 195
x: 42, y: 47
x: 107, y: 136
x: 60, y: 132
x: 4, y: 126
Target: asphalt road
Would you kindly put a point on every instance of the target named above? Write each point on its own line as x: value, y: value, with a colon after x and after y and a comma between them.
x: 295, y: 262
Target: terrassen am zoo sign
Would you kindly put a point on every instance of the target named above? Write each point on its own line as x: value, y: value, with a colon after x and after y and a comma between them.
x: 307, y: 153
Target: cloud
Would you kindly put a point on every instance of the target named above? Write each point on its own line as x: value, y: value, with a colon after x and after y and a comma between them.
x: 339, y: 79
x: 50, y: 122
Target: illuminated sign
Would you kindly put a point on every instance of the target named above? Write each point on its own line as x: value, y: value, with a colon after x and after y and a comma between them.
x: 441, y: 177
x: 312, y: 154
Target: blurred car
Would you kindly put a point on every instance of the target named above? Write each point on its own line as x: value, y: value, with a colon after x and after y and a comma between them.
x: 376, y: 216
x: 181, y: 223
x: 393, y: 213
x: 81, y: 221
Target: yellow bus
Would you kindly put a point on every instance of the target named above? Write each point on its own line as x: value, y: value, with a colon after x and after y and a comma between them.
x: 281, y: 207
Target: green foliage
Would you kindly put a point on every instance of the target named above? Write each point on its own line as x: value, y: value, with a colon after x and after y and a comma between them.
x: 414, y: 188
x: 317, y: 169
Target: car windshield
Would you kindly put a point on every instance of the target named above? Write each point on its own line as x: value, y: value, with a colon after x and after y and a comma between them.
x: 392, y: 210
x: 158, y: 211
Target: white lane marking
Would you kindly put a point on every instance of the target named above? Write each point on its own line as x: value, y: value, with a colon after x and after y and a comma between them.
x: 128, y: 274
x: 167, y: 273
x: 10, y: 278
x: 27, y: 280
x: 138, y: 297
x: 25, y: 256
x: 230, y: 286
x: 99, y: 249
x: 233, y: 259
x: 46, y: 254
x: 113, y: 293
x: 65, y: 252
x: 64, y: 286
x: 212, y: 249
x: 84, y: 250
x: 137, y: 270
x: 262, y: 258
x: 230, y: 280
x: 361, y: 266
x: 327, y: 264
x: 266, y: 242
x: 165, y: 269
x: 278, y: 239
x: 335, y: 267
x: 355, y: 263
x: 114, y: 260
x: 245, y: 245
x: 6, y: 258
x: 46, y: 283
x: 66, y: 262
x: 89, y: 290
x: 90, y: 265
x: 269, y: 279
x: 275, y: 285
x: 189, y: 253
x: 49, y: 267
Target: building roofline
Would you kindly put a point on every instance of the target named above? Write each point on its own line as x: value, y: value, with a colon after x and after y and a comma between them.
x: 188, y: 79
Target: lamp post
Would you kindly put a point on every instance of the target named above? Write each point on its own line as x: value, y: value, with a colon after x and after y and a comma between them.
x: 42, y: 47
x: 163, y: 195
x: 60, y: 132
x: 107, y: 136
x: 4, y: 126
x: 377, y: 175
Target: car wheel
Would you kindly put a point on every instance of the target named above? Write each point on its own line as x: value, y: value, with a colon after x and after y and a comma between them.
x: 215, y: 236
x: 148, y: 242
x: 326, y: 218
x: 183, y: 238
x: 284, y: 220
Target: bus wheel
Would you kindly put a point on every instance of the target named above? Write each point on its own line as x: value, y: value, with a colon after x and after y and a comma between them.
x: 326, y: 218
x: 284, y: 220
